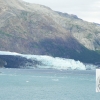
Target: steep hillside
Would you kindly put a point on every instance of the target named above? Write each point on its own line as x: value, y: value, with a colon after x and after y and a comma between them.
x: 88, y: 34
x: 36, y: 29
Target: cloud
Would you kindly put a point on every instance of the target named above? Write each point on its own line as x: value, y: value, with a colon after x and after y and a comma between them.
x: 85, y: 9
x: 96, y: 4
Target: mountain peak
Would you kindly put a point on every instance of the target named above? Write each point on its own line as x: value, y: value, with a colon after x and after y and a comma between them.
x: 21, y: 5
x: 36, y: 29
x: 11, y: 4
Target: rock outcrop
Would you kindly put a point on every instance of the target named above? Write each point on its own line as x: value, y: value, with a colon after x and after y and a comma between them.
x: 36, y: 29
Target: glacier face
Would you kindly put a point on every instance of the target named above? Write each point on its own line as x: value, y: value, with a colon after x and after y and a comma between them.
x: 8, y: 53
x: 53, y: 62
x: 57, y: 63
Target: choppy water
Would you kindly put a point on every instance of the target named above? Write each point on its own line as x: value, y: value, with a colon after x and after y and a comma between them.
x: 47, y: 84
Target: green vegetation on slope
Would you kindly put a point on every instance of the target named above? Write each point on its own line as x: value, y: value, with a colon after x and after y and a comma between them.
x: 60, y: 48
x: 4, y: 34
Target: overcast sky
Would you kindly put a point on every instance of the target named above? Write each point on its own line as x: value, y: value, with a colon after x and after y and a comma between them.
x: 88, y: 10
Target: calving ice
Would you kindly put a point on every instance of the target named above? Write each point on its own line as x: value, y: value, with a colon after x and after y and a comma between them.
x: 37, y: 29
x: 42, y: 61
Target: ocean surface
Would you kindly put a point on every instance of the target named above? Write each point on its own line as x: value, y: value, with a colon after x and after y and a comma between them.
x: 47, y: 84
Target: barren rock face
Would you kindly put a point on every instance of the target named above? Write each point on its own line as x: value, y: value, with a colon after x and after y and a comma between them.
x: 36, y: 29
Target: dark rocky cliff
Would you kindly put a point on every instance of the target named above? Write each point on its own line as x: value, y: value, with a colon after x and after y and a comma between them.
x: 11, y: 61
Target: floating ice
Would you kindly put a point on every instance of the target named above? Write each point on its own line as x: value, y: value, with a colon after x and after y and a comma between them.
x: 27, y: 81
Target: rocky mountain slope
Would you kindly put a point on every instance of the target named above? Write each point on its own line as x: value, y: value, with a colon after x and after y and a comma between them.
x: 36, y: 29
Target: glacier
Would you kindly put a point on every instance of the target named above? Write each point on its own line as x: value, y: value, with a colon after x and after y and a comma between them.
x: 53, y: 62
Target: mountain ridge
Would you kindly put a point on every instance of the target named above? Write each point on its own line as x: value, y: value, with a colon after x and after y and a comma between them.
x: 37, y: 29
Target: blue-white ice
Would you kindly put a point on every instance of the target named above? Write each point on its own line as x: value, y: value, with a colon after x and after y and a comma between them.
x: 53, y: 62
x: 48, y: 84
x: 58, y: 63
x: 8, y: 53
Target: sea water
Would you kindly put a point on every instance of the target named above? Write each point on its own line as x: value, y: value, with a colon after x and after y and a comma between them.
x: 47, y: 84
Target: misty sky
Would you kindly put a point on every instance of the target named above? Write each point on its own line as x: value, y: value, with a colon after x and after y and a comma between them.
x: 88, y: 10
